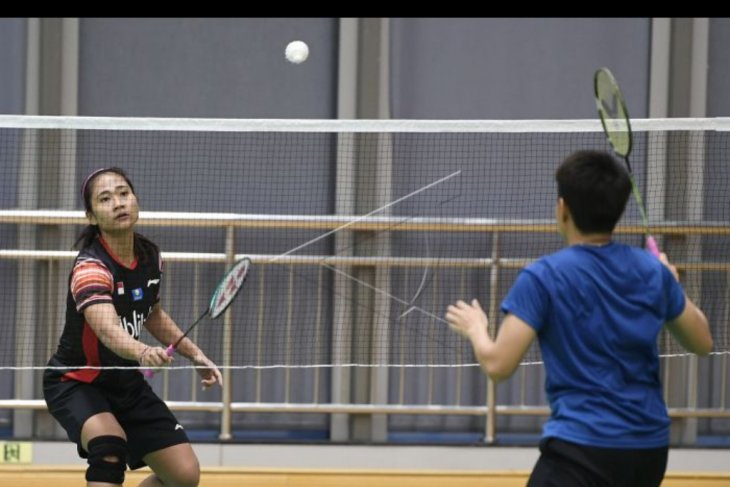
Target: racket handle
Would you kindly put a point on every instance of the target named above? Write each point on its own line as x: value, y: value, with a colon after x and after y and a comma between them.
x: 149, y: 373
x: 652, y: 246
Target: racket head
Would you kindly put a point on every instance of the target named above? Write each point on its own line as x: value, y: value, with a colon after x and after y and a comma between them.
x: 612, y: 111
x: 228, y: 288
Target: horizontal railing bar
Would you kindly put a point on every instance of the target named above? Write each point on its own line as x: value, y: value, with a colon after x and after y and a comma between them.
x: 304, y: 408
x: 335, y: 260
x: 328, y: 222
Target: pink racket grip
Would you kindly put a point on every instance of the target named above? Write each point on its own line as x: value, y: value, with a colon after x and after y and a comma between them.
x: 652, y: 246
x: 149, y: 373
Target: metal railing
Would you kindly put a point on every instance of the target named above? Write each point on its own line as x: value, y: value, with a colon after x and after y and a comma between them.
x: 494, y: 263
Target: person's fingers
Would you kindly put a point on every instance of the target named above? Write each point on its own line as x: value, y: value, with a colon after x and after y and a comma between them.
x: 453, y: 316
x: 214, y: 377
x: 218, y: 376
x: 156, y: 358
x: 211, y: 375
x: 458, y: 330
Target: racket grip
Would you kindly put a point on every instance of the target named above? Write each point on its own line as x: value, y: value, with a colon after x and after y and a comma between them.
x: 652, y: 246
x: 149, y: 373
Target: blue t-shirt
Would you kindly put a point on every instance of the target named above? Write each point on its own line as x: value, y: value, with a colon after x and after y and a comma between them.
x: 597, y: 312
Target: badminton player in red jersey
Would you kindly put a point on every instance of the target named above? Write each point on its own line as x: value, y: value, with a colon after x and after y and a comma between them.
x: 92, y: 386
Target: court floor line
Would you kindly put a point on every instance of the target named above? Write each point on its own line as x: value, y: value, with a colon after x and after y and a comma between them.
x: 63, y: 476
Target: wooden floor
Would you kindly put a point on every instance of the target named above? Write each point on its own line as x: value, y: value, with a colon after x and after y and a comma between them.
x: 38, y: 476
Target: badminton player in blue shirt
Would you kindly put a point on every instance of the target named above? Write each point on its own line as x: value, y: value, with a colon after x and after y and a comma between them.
x: 596, y: 308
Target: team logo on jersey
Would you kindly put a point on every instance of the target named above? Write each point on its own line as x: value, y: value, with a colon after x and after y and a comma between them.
x: 135, y: 324
x: 137, y: 294
x: 152, y: 281
x: 120, y: 288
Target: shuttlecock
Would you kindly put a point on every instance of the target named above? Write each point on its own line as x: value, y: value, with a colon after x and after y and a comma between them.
x: 297, y: 52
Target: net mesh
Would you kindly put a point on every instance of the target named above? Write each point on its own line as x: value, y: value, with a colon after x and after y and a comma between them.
x: 360, y: 234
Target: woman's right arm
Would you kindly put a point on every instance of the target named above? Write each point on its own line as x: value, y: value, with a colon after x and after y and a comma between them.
x: 103, y: 320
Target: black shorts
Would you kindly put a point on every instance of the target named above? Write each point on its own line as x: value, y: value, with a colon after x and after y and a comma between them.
x: 147, y: 421
x: 566, y: 464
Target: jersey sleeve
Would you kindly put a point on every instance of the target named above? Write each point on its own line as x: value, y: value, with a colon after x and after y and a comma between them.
x: 675, y: 298
x: 91, y: 283
x: 528, y: 300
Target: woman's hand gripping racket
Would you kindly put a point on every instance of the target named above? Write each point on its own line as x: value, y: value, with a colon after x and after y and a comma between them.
x: 615, y: 121
x: 224, y: 294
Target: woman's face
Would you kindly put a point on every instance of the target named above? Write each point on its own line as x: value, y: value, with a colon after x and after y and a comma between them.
x: 113, y: 204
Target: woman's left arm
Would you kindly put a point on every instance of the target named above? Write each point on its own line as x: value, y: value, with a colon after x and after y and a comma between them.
x: 166, y: 331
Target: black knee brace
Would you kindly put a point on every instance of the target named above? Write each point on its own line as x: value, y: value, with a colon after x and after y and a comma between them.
x: 100, y: 468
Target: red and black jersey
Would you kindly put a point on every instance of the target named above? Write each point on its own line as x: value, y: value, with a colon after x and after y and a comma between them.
x: 99, y: 277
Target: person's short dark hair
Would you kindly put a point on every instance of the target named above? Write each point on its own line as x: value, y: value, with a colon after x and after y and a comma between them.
x: 595, y: 187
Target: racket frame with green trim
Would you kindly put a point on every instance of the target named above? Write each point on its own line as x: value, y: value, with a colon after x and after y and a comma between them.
x: 615, y: 121
x: 225, y: 293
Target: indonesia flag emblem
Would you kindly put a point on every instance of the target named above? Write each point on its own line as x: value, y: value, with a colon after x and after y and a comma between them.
x: 120, y: 288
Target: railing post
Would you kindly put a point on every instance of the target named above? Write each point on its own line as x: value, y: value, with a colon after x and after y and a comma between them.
x: 491, y: 426
x: 227, y: 345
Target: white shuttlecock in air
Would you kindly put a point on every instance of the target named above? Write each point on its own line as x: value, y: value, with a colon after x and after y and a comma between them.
x: 297, y: 52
